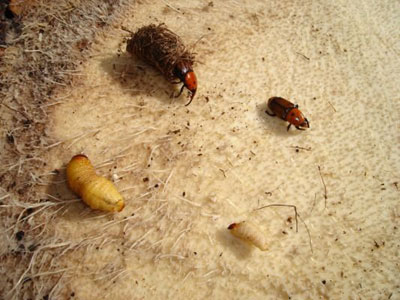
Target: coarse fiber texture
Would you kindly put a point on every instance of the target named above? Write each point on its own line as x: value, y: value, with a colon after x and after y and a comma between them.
x: 68, y: 86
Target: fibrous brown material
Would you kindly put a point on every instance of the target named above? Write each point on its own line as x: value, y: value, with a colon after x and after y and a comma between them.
x: 161, y: 48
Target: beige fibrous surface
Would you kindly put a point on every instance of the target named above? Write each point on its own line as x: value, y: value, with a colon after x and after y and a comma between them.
x: 186, y: 173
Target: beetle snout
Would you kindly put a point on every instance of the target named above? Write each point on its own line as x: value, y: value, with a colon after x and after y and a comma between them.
x: 305, y: 123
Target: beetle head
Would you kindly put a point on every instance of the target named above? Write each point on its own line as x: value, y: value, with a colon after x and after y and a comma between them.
x: 184, y: 72
x: 190, y: 83
x: 296, y: 118
x: 232, y: 226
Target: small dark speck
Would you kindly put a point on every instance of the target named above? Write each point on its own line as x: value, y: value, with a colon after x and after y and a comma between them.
x: 156, y: 185
x: 195, y: 253
x: 263, y: 59
x: 19, y: 235
x: 323, y: 281
x: 220, y: 254
x: 46, y: 297
x: 145, y: 179
x: 73, y: 294
x: 10, y: 138
x: 209, y: 28
x: 184, y: 194
x: 396, y: 185
x: 33, y: 247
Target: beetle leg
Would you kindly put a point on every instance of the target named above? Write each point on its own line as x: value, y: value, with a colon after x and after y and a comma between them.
x: 176, y: 82
x: 180, y: 92
x: 308, y: 123
x: 288, y: 127
x: 270, y: 114
x: 299, y: 128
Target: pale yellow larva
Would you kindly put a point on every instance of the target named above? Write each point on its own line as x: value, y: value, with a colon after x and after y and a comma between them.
x: 249, y: 233
x: 96, y: 191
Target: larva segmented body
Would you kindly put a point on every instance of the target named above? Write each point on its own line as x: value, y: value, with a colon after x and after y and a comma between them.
x: 96, y: 191
x: 248, y: 232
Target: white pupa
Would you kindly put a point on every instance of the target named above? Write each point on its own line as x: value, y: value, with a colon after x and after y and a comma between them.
x: 249, y: 233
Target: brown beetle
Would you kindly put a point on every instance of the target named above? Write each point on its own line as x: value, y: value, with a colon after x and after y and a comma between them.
x: 287, y: 111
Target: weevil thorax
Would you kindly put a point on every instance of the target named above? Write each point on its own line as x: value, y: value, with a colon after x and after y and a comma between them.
x: 296, y: 118
x: 184, y: 72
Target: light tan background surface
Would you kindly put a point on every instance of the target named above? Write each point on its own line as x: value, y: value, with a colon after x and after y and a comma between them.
x: 188, y: 172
